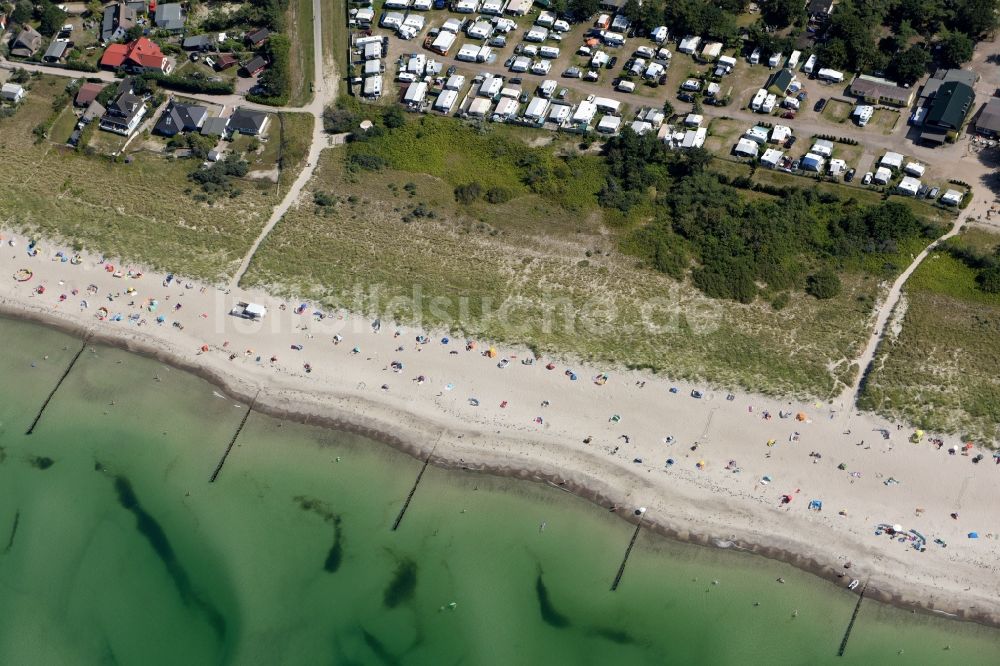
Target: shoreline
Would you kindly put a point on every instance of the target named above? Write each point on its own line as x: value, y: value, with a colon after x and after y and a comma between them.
x: 414, y: 431
x: 583, y: 491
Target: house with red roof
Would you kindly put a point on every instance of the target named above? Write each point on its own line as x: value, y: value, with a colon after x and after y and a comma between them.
x: 137, y: 57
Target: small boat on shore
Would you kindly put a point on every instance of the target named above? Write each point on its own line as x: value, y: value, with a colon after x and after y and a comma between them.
x: 853, y: 584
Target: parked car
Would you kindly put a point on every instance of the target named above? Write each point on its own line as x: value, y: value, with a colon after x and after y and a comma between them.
x: 695, y: 393
x: 933, y: 194
x: 573, y: 73
x: 849, y: 176
x: 611, y: 63
x: 508, y: 62
x: 795, y: 165
x: 867, y: 179
x: 503, y: 363
x: 788, y: 115
x: 518, y: 49
x: 803, y: 96
x: 820, y: 104
x: 515, y: 80
x: 791, y: 141
x: 685, y: 97
x: 523, y: 98
x: 563, y: 93
x: 922, y: 192
x: 451, y: 70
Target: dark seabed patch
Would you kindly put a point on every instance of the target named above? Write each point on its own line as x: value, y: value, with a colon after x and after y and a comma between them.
x: 550, y: 615
x: 3, y: 455
x: 157, y: 538
x: 614, y: 635
x: 13, y: 532
x: 378, y: 649
x: 335, y: 555
x: 41, y: 462
x: 403, y: 584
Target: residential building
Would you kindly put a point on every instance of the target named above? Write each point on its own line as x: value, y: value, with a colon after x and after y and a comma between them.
x: 248, y: 121
x: 415, y: 94
x: 892, y: 161
x: 225, y: 61
x: 87, y: 93
x: 746, y: 148
x: 820, y: 10
x: 882, y: 175
x: 27, y: 43
x: 908, y: 186
x: 138, y: 57
x: 988, y: 122
x: 373, y: 86
x: 199, y: 42
x: 771, y: 158
x: 125, y: 113
x: 11, y: 92
x: 169, y: 17
x: 215, y: 127
x: 257, y: 37
x: 875, y: 90
x: 781, y: 81
x: 56, y: 51
x: 948, y: 110
x: 95, y: 111
x: 254, y: 65
x: 609, y: 124
x: 914, y: 169
x: 942, y: 76
x: 177, y: 118
x: 951, y: 198
x: 812, y: 162
x: 823, y: 147
x: 118, y: 18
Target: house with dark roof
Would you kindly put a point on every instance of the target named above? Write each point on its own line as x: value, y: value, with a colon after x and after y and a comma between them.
x: 988, y: 121
x: 177, y: 118
x: 254, y: 66
x: 820, y: 10
x: 258, y: 37
x: 94, y: 111
x: 138, y: 57
x: 880, y: 91
x: 198, y: 42
x: 225, y: 61
x: 124, y: 114
x: 247, y: 121
x: 87, y: 93
x: 118, y: 19
x: 942, y: 76
x: 169, y: 17
x: 215, y: 127
x: 56, y: 51
x: 27, y: 43
x: 947, y: 111
x: 780, y: 81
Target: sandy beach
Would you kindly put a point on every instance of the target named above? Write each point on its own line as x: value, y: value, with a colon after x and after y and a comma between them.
x: 623, y: 439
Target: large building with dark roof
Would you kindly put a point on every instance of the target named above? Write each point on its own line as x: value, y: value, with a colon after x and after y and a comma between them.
x: 947, y: 111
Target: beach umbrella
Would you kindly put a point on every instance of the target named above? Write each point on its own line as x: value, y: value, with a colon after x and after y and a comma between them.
x: 491, y: 352
x: 700, y: 464
x: 897, y: 528
x: 445, y: 341
x: 801, y: 416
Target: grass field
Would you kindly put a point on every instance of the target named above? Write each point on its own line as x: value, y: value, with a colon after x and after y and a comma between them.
x: 837, y: 111
x: 941, y: 368
x: 542, y: 269
x: 301, y: 58
x: 142, y: 210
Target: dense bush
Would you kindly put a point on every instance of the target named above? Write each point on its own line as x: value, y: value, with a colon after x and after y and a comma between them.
x: 191, y: 84
x: 468, y: 193
x: 275, y: 83
x: 823, y: 284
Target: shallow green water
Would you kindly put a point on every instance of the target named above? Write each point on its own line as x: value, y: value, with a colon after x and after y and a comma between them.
x: 114, y: 548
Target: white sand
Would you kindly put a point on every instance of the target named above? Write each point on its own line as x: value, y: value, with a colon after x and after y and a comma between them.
x: 702, y: 505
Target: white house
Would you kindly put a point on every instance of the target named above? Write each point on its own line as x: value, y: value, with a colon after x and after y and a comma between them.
x: 822, y: 147
x: 445, y: 101
x: 542, y: 67
x: 520, y: 64
x: 491, y: 86
x: 641, y: 126
x: 392, y: 20
x: 505, y: 109
x: 559, y: 113
x: 694, y: 138
x: 373, y: 87
x: 914, y: 169
x: 837, y: 166
x: 908, y: 186
x: 607, y: 105
x: 711, y: 51
x: 831, y: 75
x: 537, y: 109
x: 479, y: 30
x: 951, y: 198
x: 882, y: 176
x: 757, y: 134
x: 415, y: 93
x: 892, y: 160
x: 11, y: 92
x: 689, y: 45
x: 584, y: 113
x: 468, y: 53
x: 454, y: 82
x: 811, y: 162
x: 479, y: 107
x: 536, y: 34
x: 863, y: 113
x: 609, y: 124
x: 770, y: 102
x: 693, y: 120
x: 659, y: 34
x: 780, y: 133
x: 746, y: 148
x: 771, y: 158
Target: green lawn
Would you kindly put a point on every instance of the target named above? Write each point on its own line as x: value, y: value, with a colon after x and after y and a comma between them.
x: 300, y: 31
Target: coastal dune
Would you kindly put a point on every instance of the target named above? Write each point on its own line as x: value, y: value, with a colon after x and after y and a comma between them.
x: 732, y: 456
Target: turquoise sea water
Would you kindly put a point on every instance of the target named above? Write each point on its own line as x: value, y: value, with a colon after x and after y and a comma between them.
x: 115, y: 548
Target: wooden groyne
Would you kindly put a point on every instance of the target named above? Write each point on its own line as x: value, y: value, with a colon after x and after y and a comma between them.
x: 239, y: 429
x: 850, y: 625
x: 65, y: 373
x: 628, y: 551
x: 406, y: 504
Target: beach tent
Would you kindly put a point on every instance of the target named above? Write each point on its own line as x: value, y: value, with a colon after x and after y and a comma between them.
x: 492, y: 352
x: 816, y: 505
x: 701, y: 464
x: 973, y: 535
x: 801, y: 416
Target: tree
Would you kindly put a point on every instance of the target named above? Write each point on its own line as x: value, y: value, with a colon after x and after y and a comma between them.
x: 393, y: 117
x: 95, y: 8
x: 22, y: 12
x: 52, y: 20
x: 581, y: 10
x: 956, y: 48
x: 975, y: 17
x: 668, y: 108
x: 989, y: 280
x: 337, y: 120
x: 782, y: 13
x: 909, y: 65
x: 823, y: 284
